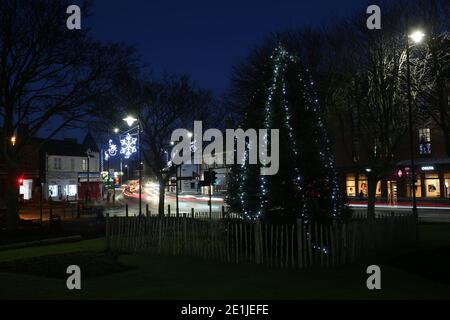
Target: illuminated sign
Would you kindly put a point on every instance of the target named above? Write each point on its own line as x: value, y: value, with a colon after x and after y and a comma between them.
x: 427, y: 168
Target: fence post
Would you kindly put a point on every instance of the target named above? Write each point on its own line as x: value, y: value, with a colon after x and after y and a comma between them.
x: 192, y: 213
x: 299, y: 244
x: 108, y: 232
x: 168, y: 210
x: 257, y: 243
x: 126, y: 209
x: 147, y: 212
x: 223, y: 212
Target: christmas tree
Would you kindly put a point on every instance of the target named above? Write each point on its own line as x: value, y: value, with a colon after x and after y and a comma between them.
x: 306, y: 185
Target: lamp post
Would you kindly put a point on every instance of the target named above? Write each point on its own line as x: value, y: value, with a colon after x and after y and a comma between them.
x: 88, y: 196
x: 130, y: 121
x: 116, y: 131
x: 416, y: 37
x: 126, y: 166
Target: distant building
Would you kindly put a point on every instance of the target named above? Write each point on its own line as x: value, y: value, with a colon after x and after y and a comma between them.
x: 190, y: 175
x: 68, y: 172
x: 57, y: 167
x: 432, y: 169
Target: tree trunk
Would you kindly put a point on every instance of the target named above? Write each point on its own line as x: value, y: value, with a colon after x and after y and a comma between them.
x: 162, y: 194
x: 447, y: 142
x: 372, y: 188
x: 12, y: 199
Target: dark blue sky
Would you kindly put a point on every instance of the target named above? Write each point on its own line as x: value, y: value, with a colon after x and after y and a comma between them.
x: 204, y: 38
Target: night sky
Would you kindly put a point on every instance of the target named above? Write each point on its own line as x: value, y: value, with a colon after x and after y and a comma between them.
x: 204, y: 38
x: 201, y: 38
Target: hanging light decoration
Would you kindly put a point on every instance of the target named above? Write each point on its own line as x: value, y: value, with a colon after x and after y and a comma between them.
x: 128, y: 146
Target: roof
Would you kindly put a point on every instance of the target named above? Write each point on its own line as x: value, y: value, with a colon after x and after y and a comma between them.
x: 70, y: 147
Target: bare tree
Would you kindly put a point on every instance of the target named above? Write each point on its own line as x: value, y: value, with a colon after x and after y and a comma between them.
x: 366, y: 92
x: 168, y: 104
x: 431, y: 65
x: 50, y: 77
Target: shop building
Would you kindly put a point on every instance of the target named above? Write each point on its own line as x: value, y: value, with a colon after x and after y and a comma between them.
x: 71, y: 170
x: 432, y: 170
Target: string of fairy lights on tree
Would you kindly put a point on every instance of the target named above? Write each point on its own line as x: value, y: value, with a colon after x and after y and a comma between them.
x: 326, y: 157
x: 280, y: 60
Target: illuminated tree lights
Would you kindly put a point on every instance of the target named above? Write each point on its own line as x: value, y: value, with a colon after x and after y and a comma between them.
x: 306, y: 184
x: 128, y: 146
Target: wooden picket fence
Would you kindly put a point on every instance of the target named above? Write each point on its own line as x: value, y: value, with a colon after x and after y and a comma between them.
x: 294, y: 245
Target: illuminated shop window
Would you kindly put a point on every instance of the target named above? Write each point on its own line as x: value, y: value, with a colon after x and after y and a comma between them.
x: 378, y: 191
x: 70, y: 190
x: 362, y: 186
x: 447, y: 185
x: 53, y: 190
x: 418, y: 188
x: 432, y: 186
x: 351, y: 185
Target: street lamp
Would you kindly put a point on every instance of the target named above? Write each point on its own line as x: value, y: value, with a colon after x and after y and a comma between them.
x: 130, y: 120
x: 416, y: 37
x: 88, y: 191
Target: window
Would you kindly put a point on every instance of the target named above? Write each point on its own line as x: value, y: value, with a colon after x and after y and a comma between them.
x: 378, y: 191
x: 72, y: 164
x: 53, y: 190
x: 351, y: 186
x: 57, y: 163
x: 362, y: 186
x: 70, y: 190
x: 432, y: 187
x: 447, y: 185
x: 418, y: 185
x: 425, y: 141
x: 84, y: 165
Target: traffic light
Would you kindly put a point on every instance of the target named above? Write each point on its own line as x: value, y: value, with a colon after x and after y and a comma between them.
x: 20, y: 181
x: 213, y: 177
x: 206, y: 180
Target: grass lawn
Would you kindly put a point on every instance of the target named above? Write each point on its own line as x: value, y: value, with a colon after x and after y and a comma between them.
x: 150, y: 277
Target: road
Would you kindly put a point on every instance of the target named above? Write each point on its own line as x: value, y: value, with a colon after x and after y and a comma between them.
x: 150, y: 196
x: 426, y: 213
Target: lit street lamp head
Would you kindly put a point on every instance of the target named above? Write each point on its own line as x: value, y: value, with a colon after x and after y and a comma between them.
x: 116, y: 130
x: 417, y: 36
x: 130, y: 120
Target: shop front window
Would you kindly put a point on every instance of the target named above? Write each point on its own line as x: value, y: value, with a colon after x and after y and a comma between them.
x: 362, y: 186
x: 378, y: 191
x: 447, y: 185
x: 432, y: 186
x: 70, y: 190
x: 53, y: 190
x: 418, y: 186
x: 350, y: 185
